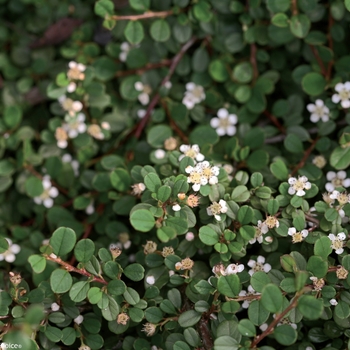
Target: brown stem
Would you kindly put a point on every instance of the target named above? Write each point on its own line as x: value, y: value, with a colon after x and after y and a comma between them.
x: 274, y: 323
x: 175, y: 61
x: 145, y: 15
x: 330, y: 44
x: 319, y: 60
x: 306, y: 156
x: 253, y: 62
x: 173, y: 125
x: 275, y: 121
x: 71, y: 268
x: 140, y: 71
x: 294, y: 8
x: 312, y: 219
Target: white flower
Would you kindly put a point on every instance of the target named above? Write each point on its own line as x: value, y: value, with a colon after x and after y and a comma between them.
x: 145, y: 92
x: 297, y: 186
x: 106, y: 126
x: 189, y: 236
x: 260, y: 230
x: 76, y: 71
x: 217, y: 208
x: 168, y: 85
x: 192, y: 152
x: 78, y: 320
x: 320, y: 161
x: 72, y: 107
x: 336, y: 180
x: 297, y: 236
x: 137, y: 189
x: 90, y: 209
x: 71, y: 87
x: 318, y: 283
x: 95, y: 131
x: 10, y: 254
x: 159, y: 154
x: 263, y: 327
x: 49, y: 192
x: 333, y: 302
x: 258, y: 265
x: 248, y: 292
x: 176, y: 207
x: 337, y: 242
x: 341, y: 197
x: 342, y: 95
x: 125, y: 48
x: 55, y: 307
x: 75, y: 126
x: 150, y: 280
x: 318, y: 111
x: 194, y: 94
x: 270, y: 222
x: 84, y: 347
x: 61, y: 137
x: 141, y: 113
x: 234, y: 269
x: 202, y: 174
x: 225, y: 123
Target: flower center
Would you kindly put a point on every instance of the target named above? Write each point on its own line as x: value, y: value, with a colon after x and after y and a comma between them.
x: 197, y: 92
x: 215, y: 208
x: 337, y: 244
x: 337, y: 182
x: 258, y: 267
x: 224, y: 123
x: 344, y: 94
x: 191, y: 153
x: 299, y: 185
x: 297, y: 237
x: 207, y: 172
x: 271, y: 222
x: 195, y: 177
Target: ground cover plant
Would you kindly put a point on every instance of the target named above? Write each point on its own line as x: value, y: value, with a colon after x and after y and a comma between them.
x: 174, y: 174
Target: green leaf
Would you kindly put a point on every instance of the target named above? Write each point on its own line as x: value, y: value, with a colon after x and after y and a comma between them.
x: 322, y: 247
x: 245, y: 214
x: 271, y: 298
x: 273, y: 206
x: 229, y: 285
x: 293, y: 144
x: 204, y: 134
x: 37, y: 262
x: 140, y: 5
x: 189, y: 318
x: 104, y: 8
x: 110, y: 313
x: 300, y: 25
x: 131, y: 296
x: 317, y: 266
x: 94, y: 295
x: 342, y: 310
x: 12, y: 116
x: 153, y: 314
x: 246, y: 328
x: 279, y: 170
x: 208, y: 236
x: 280, y: 20
x: 259, y: 280
x: 135, y: 272
x: 310, y: 307
x: 142, y: 220
x: 4, y: 245
x: 226, y: 343
x: 63, y: 241
x: 218, y: 71
x: 134, y: 32
x: 116, y: 287
x: 79, y: 291
x: 158, y: 134
x: 340, y: 158
x: 84, y: 250
x: 163, y: 193
x: 240, y: 194
x: 120, y: 179
x: 285, y: 334
x: 278, y: 5
x: 60, y: 281
x: 243, y: 72
x: 313, y: 83
x: 34, y: 186
x: 53, y: 333
x: 257, y: 313
x: 166, y: 233
x: 68, y: 336
x: 152, y: 182
x: 160, y: 30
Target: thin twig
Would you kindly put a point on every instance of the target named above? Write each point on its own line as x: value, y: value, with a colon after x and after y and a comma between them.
x: 319, y: 60
x: 275, y: 121
x: 274, y: 323
x: 294, y: 9
x: 175, y: 61
x: 145, y: 15
x: 253, y: 62
x: 306, y: 156
x: 148, y: 66
x: 71, y: 268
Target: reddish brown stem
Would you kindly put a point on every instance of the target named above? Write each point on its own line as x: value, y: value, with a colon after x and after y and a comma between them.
x: 319, y: 60
x: 294, y: 8
x: 175, y: 61
x: 173, y: 125
x: 145, y: 15
x: 149, y: 66
x: 274, y: 323
x: 306, y: 156
x: 275, y: 121
x: 253, y: 62
x: 71, y: 268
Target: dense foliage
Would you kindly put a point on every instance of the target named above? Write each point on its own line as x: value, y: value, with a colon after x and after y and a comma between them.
x: 174, y: 174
